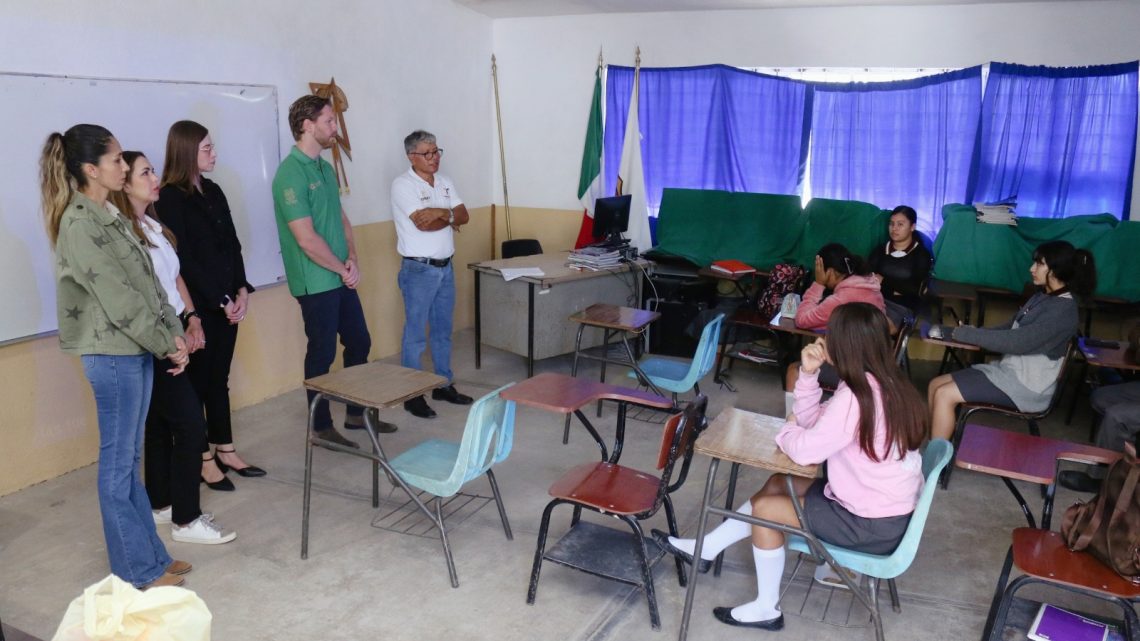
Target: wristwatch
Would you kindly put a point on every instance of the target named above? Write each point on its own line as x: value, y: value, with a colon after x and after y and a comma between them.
x: 186, y: 316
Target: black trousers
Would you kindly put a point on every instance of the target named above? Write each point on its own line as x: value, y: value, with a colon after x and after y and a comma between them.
x: 327, y: 315
x: 175, y: 436
x: 209, y: 372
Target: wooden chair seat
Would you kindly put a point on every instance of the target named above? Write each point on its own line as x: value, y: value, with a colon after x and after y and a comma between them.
x: 608, y: 488
x: 1043, y: 554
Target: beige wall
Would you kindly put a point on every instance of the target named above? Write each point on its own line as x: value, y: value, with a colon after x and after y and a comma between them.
x: 48, y: 422
x: 556, y: 229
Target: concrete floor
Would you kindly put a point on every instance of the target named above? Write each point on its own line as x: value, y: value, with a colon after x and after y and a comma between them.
x: 365, y: 583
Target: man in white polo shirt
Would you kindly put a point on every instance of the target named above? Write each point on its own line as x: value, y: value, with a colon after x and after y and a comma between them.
x: 427, y: 210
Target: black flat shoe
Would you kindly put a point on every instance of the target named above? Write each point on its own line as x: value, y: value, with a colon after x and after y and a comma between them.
x: 249, y: 471
x: 418, y: 407
x: 382, y: 427
x: 724, y: 615
x: 662, y: 539
x: 451, y: 395
x: 224, y: 485
x: 1079, y: 482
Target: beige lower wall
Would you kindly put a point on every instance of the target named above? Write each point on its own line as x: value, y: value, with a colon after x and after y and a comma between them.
x: 556, y: 229
x: 48, y: 419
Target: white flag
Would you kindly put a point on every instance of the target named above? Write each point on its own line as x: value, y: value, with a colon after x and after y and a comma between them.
x: 630, y: 177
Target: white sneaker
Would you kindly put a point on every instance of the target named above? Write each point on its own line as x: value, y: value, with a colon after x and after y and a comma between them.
x: 826, y: 575
x: 163, y: 516
x: 202, y: 530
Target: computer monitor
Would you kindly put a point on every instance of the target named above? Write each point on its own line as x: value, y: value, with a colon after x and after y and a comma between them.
x: 611, y: 217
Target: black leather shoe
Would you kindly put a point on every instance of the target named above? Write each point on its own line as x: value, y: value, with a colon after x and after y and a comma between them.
x: 333, y: 436
x: 419, y: 407
x: 224, y: 485
x: 662, y: 539
x: 450, y: 395
x: 1079, y: 482
x: 382, y: 427
x: 724, y: 615
x: 249, y: 471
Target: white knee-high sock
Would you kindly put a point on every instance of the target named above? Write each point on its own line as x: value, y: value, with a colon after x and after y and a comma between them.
x: 721, y: 537
x: 769, y: 572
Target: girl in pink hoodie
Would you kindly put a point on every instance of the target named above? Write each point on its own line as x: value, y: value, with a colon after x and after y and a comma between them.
x: 868, y: 433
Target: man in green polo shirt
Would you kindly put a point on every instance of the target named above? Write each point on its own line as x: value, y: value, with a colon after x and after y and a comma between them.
x: 319, y: 254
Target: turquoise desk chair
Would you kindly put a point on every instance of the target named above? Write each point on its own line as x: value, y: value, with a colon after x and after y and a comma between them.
x: 876, y: 567
x: 678, y: 376
x: 441, y: 468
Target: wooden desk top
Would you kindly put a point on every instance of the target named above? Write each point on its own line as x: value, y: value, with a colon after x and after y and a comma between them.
x: 564, y: 394
x: 375, y: 384
x: 788, y: 325
x: 1115, y: 357
x: 924, y: 335
x: 1020, y: 456
x: 614, y: 317
x: 749, y: 438
x: 553, y: 266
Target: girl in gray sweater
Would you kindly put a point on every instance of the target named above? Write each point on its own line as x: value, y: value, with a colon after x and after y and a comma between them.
x: 1033, y: 343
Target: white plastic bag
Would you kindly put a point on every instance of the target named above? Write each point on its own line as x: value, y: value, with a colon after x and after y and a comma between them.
x: 113, y: 610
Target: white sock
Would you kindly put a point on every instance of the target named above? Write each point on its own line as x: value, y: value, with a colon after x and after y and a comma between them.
x: 789, y: 402
x: 721, y: 537
x: 824, y: 573
x: 769, y: 571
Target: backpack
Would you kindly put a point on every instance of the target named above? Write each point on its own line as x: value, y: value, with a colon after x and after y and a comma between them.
x: 1108, y: 526
x: 783, y: 280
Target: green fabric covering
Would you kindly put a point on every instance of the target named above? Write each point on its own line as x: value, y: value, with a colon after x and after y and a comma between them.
x: 704, y: 226
x: 999, y: 255
x: 858, y: 226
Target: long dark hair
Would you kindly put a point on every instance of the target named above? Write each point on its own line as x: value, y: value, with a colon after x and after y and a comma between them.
x: 61, y: 168
x: 1073, y: 267
x: 837, y: 257
x: 181, y: 164
x: 123, y: 202
x: 858, y: 344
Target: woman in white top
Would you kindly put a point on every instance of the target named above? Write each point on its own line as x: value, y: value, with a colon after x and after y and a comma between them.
x: 175, y: 426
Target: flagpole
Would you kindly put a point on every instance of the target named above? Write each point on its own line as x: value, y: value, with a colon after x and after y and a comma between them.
x: 502, y: 151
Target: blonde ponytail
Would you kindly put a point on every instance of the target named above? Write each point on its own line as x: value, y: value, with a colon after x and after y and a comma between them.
x: 56, y: 186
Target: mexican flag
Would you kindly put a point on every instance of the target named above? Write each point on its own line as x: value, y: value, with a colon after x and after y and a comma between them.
x: 590, y: 178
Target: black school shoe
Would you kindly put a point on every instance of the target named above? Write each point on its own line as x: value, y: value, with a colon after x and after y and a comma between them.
x: 724, y: 615
x: 1079, y: 482
x: 450, y: 395
x: 662, y: 539
x: 418, y: 407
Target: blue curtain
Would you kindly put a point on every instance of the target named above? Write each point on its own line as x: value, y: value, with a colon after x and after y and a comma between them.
x: 905, y: 142
x: 1062, y: 140
x: 711, y: 127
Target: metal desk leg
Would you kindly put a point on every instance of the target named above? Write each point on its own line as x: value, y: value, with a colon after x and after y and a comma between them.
x: 641, y: 376
x: 702, y: 522
x: 478, y: 324
x: 619, y: 433
x: 573, y: 373
x: 308, y: 476
x: 606, y: 335
x: 593, y: 433
x: 729, y: 500
x: 530, y: 330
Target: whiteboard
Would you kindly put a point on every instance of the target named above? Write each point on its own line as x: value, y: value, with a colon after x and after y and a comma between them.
x: 243, y: 122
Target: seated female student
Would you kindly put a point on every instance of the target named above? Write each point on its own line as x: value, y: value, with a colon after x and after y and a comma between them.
x: 848, y: 277
x: 1033, y: 343
x: 175, y: 427
x: 902, y: 265
x: 868, y: 433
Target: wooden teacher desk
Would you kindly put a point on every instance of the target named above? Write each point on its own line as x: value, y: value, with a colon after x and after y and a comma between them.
x: 507, y: 313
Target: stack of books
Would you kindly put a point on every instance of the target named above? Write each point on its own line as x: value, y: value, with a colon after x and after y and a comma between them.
x: 999, y: 213
x: 594, y: 258
x: 732, y: 267
x: 1054, y: 624
x: 758, y: 354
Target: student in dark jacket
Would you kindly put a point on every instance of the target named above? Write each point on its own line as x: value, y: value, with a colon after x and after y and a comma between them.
x: 196, y: 211
x: 902, y: 265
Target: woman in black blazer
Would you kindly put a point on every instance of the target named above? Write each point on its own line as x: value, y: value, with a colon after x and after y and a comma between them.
x: 194, y: 208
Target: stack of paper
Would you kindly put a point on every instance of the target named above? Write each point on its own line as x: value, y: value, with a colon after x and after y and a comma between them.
x: 999, y: 213
x: 594, y: 258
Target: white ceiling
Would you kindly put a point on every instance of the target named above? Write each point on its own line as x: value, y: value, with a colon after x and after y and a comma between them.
x: 531, y: 8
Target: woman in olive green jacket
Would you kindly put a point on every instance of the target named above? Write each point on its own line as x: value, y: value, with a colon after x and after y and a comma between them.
x: 113, y: 314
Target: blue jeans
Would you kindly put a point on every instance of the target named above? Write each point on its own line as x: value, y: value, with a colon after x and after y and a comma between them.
x: 327, y: 314
x: 429, y: 299
x: 122, y: 386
